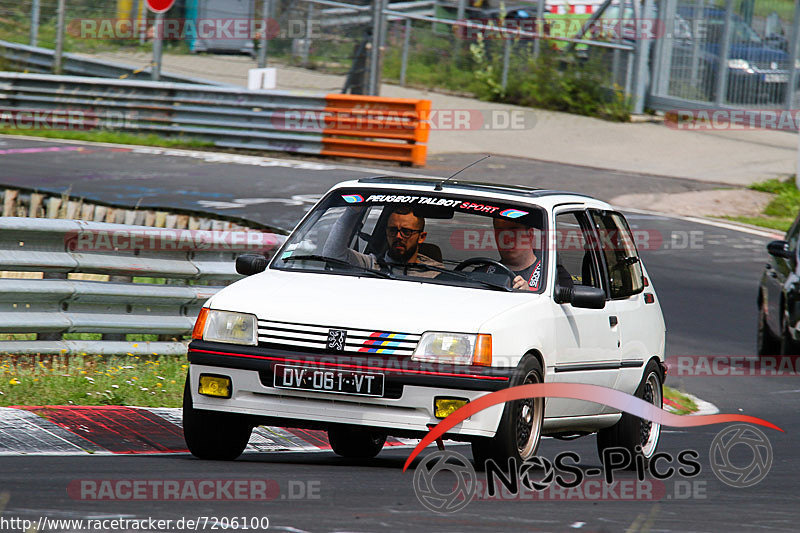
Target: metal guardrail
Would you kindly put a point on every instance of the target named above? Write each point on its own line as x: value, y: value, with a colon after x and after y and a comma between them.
x: 310, y: 123
x: 345, y: 16
x: 36, y: 59
x: 56, y: 306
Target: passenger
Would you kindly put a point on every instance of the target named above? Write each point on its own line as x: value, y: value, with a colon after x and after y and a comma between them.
x: 515, y: 244
x: 405, y: 231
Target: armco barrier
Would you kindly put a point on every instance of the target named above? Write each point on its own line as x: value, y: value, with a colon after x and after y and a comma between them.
x: 54, y: 306
x: 367, y: 127
x: 36, y: 59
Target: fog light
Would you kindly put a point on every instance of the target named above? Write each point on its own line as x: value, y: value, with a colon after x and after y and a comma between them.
x: 218, y: 386
x: 444, y: 407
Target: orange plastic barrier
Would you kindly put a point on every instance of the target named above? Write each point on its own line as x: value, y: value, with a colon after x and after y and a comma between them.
x: 375, y: 127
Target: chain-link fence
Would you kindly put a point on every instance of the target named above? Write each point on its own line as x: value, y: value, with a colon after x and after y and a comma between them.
x: 725, y: 53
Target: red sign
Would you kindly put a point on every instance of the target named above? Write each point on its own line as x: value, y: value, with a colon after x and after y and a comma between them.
x: 159, y: 6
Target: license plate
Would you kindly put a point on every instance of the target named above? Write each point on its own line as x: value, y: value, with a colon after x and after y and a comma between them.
x: 776, y: 78
x: 322, y: 380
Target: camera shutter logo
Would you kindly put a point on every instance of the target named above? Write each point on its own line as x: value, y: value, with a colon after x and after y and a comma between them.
x: 537, y: 464
x: 466, y: 482
x: 336, y: 339
x: 732, y: 474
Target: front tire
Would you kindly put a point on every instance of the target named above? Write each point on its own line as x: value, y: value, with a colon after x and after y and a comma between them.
x: 788, y: 346
x: 520, y: 428
x: 356, y: 443
x: 631, y: 431
x: 213, y: 435
x: 767, y: 343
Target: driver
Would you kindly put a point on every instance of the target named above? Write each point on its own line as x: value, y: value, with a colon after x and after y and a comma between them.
x: 405, y: 231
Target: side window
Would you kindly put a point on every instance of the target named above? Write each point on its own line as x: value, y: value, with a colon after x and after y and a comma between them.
x: 616, y: 241
x: 574, y: 255
x: 792, y: 234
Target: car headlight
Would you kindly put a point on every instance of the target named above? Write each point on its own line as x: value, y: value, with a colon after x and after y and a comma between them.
x: 797, y: 63
x: 235, y: 328
x: 454, y: 348
x: 738, y: 64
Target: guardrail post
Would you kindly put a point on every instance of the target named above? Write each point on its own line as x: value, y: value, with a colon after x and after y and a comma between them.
x: 262, y: 51
x: 722, y: 66
x: 404, y: 61
x: 539, y: 27
x: 701, y: 10
x: 59, y: 51
x: 374, y: 86
x: 642, y: 55
x: 51, y: 336
x: 117, y: 336
x: 506, y: 61
x: 662, y: 68
x: 35, y: 22
x: 155, y: 73
x: 307, y: 39
x: 141, y: 16
x: 793, y: 42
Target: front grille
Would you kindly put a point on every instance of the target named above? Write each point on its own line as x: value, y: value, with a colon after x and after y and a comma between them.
x: 314, y: 338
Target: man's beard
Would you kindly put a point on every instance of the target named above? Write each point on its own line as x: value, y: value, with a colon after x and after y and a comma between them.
x: 401, y: 257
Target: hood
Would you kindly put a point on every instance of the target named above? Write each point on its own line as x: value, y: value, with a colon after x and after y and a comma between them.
x: 365, y: 302
x: 758, y: 53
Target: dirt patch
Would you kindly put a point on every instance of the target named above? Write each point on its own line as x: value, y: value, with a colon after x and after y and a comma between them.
x: 714, y: 203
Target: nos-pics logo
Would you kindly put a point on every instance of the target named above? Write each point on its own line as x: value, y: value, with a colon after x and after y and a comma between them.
x: 445, y: 481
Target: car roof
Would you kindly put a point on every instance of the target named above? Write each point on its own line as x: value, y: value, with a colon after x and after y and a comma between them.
x: 543, y: 197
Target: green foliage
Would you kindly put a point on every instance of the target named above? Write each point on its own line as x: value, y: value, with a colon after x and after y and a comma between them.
x: 92, y: 380
x: 553, y: 80
x: 787, y: 200
x: 778, y: 223
x: 781, y: 210
x: 112, y: 137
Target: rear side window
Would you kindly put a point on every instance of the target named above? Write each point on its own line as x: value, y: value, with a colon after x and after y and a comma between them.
x: 616, y: 241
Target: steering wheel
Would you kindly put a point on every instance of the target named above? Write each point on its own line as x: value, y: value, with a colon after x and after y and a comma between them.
x: 486, y: 261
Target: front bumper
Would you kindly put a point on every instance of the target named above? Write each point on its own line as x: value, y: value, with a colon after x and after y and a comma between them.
x: 406, y: 409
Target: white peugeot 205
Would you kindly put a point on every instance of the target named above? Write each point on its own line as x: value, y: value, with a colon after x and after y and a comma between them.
x: 396, y: 301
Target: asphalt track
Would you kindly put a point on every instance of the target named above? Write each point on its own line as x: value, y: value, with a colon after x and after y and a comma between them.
x: 707, y: 292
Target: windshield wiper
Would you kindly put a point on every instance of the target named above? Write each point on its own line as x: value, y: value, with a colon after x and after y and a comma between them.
x: 338, y: 262
x: 462, y: 275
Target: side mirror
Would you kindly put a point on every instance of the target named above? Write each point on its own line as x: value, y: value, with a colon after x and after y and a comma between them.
x: 249, y: 264
x: 779, y: 249
x: 582, y: 296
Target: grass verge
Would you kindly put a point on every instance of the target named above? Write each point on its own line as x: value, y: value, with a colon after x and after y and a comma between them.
x: 781, y: 211
x: 115, y: 137
x: 681, y: 403
x: 92, y: 380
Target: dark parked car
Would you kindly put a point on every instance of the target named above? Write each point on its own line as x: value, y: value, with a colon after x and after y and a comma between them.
x: 757, y: 72
x: 779, y: 297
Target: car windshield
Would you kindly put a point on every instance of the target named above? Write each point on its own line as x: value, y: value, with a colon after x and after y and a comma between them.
x: 421, y: 237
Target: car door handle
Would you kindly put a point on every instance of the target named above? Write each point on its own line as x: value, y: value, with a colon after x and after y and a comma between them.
x: 613, y: 321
